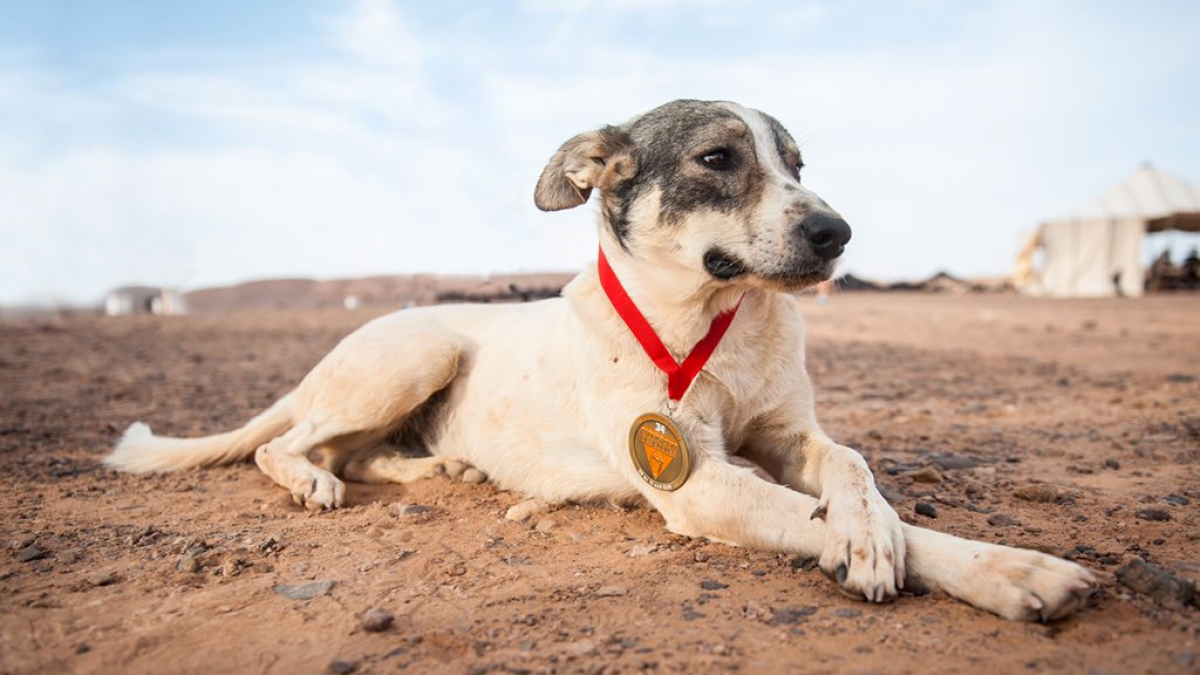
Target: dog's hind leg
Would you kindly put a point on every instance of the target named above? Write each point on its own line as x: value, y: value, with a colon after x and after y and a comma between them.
x: 365, y: 388
x: 285, y: 461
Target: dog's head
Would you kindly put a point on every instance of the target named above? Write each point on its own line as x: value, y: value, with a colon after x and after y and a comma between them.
x: 709, y: 186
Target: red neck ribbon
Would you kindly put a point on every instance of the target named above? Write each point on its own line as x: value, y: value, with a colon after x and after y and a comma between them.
x: 679, y: 375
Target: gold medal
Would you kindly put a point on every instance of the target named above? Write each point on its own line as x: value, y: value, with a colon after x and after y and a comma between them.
x: 659, y: 452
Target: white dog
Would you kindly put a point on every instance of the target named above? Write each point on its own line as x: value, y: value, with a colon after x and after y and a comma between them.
x: 703, y: 220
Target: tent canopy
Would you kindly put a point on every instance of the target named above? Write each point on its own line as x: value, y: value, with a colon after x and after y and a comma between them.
x: 1162, y: 201
x: 1096, y: 251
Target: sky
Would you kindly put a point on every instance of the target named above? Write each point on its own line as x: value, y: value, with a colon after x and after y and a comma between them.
x: 192, y: 144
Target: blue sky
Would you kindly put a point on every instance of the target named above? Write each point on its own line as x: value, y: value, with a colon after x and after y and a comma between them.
x: 193, y: 144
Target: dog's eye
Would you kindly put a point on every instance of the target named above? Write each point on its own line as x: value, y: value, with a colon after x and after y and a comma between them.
x: 717, y: 159
x: 796, y: 169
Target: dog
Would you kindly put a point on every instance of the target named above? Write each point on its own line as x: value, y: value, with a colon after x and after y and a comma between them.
x: 703, y: 220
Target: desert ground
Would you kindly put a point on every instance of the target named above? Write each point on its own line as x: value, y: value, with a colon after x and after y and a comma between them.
x: 1068, y: 426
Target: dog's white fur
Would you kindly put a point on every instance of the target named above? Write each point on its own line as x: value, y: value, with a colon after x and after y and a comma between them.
x: 541, y: 396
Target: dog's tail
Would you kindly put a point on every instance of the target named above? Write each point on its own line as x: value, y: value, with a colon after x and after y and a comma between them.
x: 140, y: 451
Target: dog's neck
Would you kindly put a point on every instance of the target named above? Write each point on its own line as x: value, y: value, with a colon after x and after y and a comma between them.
x: 679, y: 305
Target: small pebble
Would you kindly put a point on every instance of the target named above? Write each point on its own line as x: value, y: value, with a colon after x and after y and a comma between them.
x: 376, y: 620
x: 103, y: 579
x: 30, y: 553
x: 545, y: 525
x: 642, y: 550
x: 1152, y: 514
x: 847, y: 613
x: 187, y: 563
x: 1177, y: 500
x: 1112, y: 464
x: 611, y: 591
x: 926, y: 509
x: 340, y: 667
x: 411, y: 509
x: 1037, y: 492
x: 926, y: 475
x: 304, y: 591
x: 1157, y: 583
x: 710, y: 585
x: 1002, y: 520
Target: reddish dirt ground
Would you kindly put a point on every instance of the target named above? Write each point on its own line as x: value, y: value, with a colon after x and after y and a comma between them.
x: 1098, y: 402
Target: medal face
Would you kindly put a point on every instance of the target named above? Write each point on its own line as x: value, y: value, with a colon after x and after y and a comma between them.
x: 659, y: 452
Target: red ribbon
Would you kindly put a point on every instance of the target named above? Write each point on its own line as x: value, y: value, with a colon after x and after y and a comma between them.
x: 679, y: 376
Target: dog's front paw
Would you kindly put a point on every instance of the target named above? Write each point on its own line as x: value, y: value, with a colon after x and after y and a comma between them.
x: 864, y: 546
x: 1023, y: 585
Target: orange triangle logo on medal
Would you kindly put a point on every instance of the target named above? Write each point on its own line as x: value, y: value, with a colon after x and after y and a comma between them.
x: 660, y: 451
x: 659, y: 460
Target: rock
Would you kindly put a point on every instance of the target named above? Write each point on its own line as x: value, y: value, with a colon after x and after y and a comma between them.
x: 411, y: 509
x: 1177, y: 500
x: 304, y: 591
x: 103, y: 579
x: 473, y: 476
x: 952, y: 462
x: 642, y: 550
x: 340, y: 667
x: 1152, y: 514
x: 1112, y: 464
x: 1002, y: 520
x: 1154, y: 582
x: 926, y: 475
x: 710, y: 585
x: 67, y: 556
x: 187, y: 563
x: 545, y: 525
x: 791, y: 615
x: 377, y: 620
x: 1181, y: 378
x: 1037, y: 492
x: 847, y: 613
x: 927, y: 509
x: 1186, y: 659
x: 611, y: 591
x: 30, y: 553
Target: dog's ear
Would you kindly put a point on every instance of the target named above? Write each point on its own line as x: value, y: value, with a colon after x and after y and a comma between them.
x: 598, y: 159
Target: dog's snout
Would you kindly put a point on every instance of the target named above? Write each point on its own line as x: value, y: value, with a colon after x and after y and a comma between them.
x: 826, y: 234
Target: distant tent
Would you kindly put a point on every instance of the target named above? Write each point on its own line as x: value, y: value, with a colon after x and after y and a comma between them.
x: 1096, y: 251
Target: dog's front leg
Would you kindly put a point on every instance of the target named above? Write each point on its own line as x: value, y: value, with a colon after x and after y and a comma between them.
x: 731, y: 504
x: 864, y: 543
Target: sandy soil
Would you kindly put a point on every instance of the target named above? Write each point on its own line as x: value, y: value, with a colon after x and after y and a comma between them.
x: 1098, y: 402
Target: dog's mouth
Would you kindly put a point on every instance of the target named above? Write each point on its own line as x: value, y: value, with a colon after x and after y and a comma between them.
x: 725, y: 266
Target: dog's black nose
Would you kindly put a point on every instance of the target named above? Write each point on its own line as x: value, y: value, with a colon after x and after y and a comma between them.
x: 827, y: 235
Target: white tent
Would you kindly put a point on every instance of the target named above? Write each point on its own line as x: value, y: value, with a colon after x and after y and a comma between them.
x: 1096, y: 251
